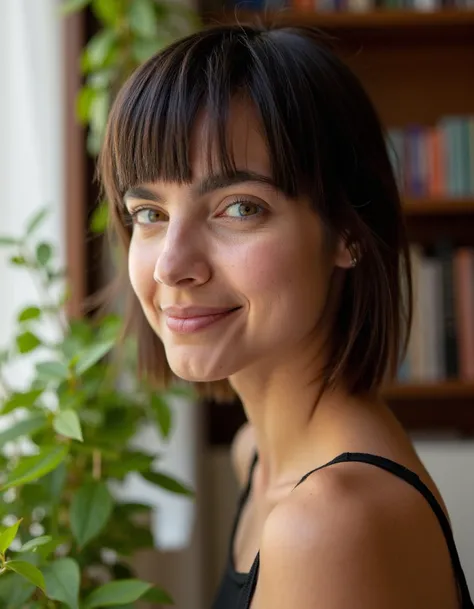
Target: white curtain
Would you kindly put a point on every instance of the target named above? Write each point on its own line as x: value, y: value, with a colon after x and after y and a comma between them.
x: 31, y: 138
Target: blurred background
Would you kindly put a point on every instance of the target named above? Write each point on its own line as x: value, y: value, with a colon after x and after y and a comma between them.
x: 60, y: 64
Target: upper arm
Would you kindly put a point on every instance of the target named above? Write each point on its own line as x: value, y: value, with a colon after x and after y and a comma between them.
x: 242, y: 450
x: 334, y: 553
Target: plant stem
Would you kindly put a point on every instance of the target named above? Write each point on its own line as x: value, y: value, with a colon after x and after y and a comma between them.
x: 42, y: 287
x: 96, y: 464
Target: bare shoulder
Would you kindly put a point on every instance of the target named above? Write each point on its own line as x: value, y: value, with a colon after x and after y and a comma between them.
x: 243, y: 448
x: 339, y: 542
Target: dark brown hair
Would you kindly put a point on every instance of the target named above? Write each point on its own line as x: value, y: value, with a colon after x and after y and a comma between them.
x: 324, y: 140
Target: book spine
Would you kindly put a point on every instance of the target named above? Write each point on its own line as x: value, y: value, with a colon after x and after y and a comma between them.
x: 431, y: 286
x: 464, y: 168
x: 447, y: 127
x: 415, y: 344
x: 463, y: 267
x: 435, y: 163
x: 470, y: 129
x: 445, y: 253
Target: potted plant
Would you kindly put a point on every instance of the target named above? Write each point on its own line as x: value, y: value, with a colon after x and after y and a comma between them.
x: 65, y: 540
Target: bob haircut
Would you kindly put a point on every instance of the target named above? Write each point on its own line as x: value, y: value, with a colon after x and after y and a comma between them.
x: 324, y: 141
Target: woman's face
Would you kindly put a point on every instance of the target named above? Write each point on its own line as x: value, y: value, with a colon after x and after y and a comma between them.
x: 238, y: 246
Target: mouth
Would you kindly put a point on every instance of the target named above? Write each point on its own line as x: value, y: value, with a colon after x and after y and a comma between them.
x: 191, y: 324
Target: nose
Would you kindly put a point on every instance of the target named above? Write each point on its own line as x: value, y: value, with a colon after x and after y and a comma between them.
x: 182, y: 258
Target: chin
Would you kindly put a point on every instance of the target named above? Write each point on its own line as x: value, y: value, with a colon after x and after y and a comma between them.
x: 198, y: 369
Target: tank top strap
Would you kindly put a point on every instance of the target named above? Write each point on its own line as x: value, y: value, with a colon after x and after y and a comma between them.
x: 241, y: 504
x: 414, y: 480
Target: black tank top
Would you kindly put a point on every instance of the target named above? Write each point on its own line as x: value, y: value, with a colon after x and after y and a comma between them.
x: 237, y: 589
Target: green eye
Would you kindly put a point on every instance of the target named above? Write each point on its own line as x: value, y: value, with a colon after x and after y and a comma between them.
x: 146, y: 215
x: 244, y: 210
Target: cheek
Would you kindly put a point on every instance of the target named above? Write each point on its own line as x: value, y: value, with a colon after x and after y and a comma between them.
x: 141, y: 265
x: 290, y: 267
x: 286, y: 279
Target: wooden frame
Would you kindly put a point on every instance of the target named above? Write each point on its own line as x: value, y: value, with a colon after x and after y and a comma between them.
x: 75, y: 195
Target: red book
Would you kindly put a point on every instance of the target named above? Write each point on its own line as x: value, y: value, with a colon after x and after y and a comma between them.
x: 436, y: 163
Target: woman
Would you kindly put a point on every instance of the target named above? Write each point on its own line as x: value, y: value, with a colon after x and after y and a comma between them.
x: 250, y: 185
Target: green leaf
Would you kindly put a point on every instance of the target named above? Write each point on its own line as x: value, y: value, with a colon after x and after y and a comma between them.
x: 33, y: 544
x: 84, y: 103
x: 168, y: 483
x: 99, y: 111
x: 53, y: 483
x: 32, y: 468
x: 21, y: 400
x: 8, y: 241
x: 111, y: 328
x: 7, y: 536
x: 142, y: 18
x: 100, y: 218
x: 48, y: 548
x: 28, y: 571
x: 108, y: 11
x: 27, y: 342
x: 36, y: 221
x: 130, y: 462
x: 29, y: 313
x: 91, y: 508
x: 44, y: 252
x: 102, y: 79
x: 144, y: 48
x: 67, y: 423
x: 52, y: 371
x: 162, y: 412
x: 91, y: 356
x: 62, y: 579
x: 27, y: 426
x: 115, y: 593
x: 14, y: 591
x: 99, y: 48
x: 158, y: 596
x: 73, y: 6
x: 18, y: 260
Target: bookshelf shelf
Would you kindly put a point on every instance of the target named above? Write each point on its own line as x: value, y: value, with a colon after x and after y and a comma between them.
x: 422, y: 407
x: 437, y: 207
x: 435, y: 391
x: 455, y: 24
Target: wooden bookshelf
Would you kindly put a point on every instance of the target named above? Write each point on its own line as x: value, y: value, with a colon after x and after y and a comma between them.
x: 439, y: 207
x: 405, y: 25
x: 442, y: 407
x: 417, y: 67
x: 435, y: 391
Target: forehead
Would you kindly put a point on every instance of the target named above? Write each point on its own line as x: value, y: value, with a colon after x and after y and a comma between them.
x: 245, y: 143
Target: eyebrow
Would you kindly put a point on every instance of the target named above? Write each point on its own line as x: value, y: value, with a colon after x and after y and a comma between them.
x: 206, y: 186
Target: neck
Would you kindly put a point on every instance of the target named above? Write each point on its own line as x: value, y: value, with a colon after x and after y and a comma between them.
x: 294, y: 425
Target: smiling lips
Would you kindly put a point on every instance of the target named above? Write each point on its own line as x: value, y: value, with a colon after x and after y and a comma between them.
x: 185, y: 320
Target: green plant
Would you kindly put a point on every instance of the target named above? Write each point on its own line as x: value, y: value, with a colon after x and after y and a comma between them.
x: 73, y: 540
x: 130, y: 32
x: 83, y: 403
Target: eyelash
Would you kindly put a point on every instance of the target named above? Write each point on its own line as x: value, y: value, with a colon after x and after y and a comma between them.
x: 132, y: 215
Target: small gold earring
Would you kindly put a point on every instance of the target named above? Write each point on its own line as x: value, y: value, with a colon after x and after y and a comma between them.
x: 353, y: 261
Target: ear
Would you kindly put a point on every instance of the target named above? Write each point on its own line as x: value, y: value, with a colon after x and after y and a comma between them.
x: 347, y: 253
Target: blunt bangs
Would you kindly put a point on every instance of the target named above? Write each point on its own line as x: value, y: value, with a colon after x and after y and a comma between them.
x: 324, y: 142
x: 151, y: 122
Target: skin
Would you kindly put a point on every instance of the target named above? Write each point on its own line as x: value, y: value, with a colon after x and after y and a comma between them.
x: 324, y: 544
